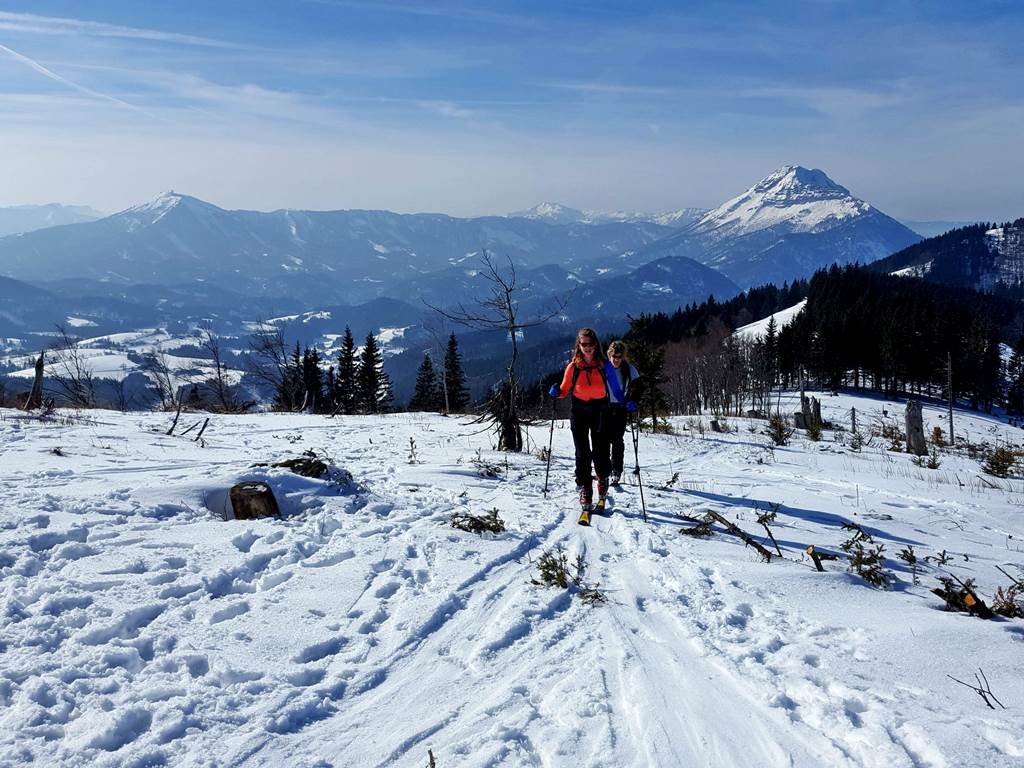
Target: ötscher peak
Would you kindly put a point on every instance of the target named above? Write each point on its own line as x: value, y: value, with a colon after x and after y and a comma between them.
x: 791, y: 223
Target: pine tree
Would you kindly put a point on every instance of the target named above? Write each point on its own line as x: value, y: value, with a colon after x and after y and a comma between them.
x: 426, y: 397
x: 345, y: 380
x: 330, y: 391
x: 290, y: 390
x: 455, y: 378
x: 312, y: 380
x: 373, y: 385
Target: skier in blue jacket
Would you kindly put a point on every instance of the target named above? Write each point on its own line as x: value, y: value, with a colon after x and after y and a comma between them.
x: 623, y: 392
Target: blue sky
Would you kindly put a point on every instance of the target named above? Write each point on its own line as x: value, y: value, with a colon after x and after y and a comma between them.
x: 487, y: 107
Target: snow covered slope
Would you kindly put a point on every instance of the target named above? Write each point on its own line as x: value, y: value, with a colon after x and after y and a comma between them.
x: 140, y: 628
x: 758, y: 328
x: 789, y: 224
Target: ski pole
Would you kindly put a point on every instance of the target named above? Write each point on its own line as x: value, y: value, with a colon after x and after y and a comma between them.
x: 551, y: 438
x: 635, y: 429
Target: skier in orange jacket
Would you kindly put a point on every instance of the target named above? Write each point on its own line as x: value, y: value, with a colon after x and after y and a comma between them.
x: 584, y: 380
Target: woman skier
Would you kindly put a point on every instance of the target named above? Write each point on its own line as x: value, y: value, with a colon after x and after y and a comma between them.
x: 623, y: 392
x: 584, y: 379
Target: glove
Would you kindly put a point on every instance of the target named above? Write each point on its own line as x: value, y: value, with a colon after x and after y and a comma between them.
x: 630, y: 406
x: 555, y: 391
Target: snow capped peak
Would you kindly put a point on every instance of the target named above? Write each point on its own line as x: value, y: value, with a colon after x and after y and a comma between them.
x: 793, y: 199
x: 795, y: 179
x: 153, y: 210
x: 555, y: 213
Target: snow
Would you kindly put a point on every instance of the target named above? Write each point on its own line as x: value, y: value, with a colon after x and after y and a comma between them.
x: 758, y: 328
x: 795, y: 198
x: 142, y: 628
x: 79, y: 322
x: 915, y: 270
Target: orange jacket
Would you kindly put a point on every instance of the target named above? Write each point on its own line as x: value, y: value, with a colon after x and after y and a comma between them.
x: 589, y: 382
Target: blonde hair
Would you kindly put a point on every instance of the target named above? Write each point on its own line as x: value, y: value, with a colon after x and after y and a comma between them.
x: 618, y: 347
x: 587, y: 333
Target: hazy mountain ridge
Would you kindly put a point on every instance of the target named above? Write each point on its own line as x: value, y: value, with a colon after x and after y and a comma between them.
x: 28, y: 218
x: 556, y: 213
x: 319, y: 256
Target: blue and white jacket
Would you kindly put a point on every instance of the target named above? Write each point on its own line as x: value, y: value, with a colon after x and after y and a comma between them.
x: 620, y: 381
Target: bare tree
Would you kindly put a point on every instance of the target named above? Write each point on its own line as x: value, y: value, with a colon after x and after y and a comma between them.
x: 123, y: 398
x: 268, y: 358
x: 156, y: 366
x: 72, y: 374
x: 219, y: 384
x: 438, y: 331
x: 498, y: 311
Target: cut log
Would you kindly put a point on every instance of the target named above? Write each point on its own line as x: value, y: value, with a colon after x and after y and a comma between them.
x: 817, y: 557
x: 253, y: 500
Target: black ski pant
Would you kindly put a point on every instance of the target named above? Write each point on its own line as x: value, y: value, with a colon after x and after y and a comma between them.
x: 615, y: 419
x: 586, y: 422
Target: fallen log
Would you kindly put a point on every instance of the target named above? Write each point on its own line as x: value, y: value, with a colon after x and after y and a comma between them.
x: 735, y: 530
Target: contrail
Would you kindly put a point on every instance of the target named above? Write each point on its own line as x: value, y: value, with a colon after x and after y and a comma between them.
x: 64, y: 81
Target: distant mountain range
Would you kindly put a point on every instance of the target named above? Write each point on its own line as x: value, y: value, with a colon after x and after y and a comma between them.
x: 28, y: 218
x: 982, y: 256
x: 178, y: 261
x: 317, y: 256
x: 788, y: 225
x: 556, y: 213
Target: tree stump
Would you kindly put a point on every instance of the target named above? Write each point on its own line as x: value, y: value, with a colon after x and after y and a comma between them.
x: 915, y: 429
x: 35, y: 397
x: 253, y: 500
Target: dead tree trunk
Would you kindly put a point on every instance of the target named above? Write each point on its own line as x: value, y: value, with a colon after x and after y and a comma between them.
x: 915, y: 429
x: 35, y: 397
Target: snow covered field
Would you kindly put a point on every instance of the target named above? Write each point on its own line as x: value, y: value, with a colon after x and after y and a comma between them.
x: 141, y: 629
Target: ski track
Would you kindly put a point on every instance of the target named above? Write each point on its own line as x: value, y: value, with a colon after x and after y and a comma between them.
x: 140, y: 629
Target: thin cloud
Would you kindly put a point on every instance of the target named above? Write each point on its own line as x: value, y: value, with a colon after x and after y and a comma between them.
x: 442, y: 11
x: 613, y: 89
x: 446, y: 108
x: 55, y: 25
x: 64, y: 81
x: 832, y: 101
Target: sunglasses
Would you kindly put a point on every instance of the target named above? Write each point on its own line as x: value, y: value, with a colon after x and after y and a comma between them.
x: 616, y: 355
x: 587, y: 345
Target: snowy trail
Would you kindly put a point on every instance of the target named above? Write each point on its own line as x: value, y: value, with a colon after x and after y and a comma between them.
x: 141, y: 629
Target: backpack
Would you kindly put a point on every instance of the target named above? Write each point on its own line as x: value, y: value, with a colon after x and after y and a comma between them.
x: 576, y: 375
